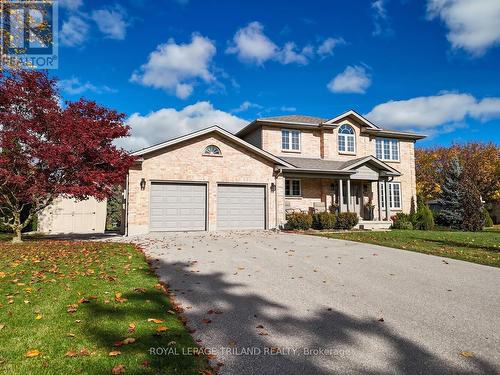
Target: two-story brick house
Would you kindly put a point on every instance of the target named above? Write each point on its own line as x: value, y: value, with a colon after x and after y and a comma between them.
x: 214, y: 180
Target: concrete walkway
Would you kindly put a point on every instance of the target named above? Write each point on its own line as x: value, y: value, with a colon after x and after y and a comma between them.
x: 294, y: 304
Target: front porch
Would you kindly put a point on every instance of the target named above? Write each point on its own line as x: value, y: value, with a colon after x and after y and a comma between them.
x: 360, y: 186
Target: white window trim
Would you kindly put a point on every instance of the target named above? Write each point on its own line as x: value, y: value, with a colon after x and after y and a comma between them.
x: 290, y: 140
x: 390, y: 149
x: 391, y: 197
x: 291, y: 188
x: 346, y: 135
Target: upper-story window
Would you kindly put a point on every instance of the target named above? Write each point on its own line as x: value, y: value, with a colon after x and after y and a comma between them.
x: 212, y: 150
x: 290, y: 140
x: 347, y: 139
x: 387, y: 149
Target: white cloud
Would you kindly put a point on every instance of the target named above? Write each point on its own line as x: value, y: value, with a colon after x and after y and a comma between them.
x: 443, y: 111
x: 472, y: 25
x: 176, y: 68
x: 289, y: 55
x: 167, y: 123
x: 326, y: 48
x: 73, y: 86
x: 381, y: 24
x: 354, y: 79
x: 251, y: 45
x: 288, y: 109
x: 245, y: 106
x: 111, y: 22
x: 70, y: 4
x: 74, y: 32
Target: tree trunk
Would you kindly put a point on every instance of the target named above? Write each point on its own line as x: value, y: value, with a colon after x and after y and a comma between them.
x: 17, y: 228
x: 17, y: 235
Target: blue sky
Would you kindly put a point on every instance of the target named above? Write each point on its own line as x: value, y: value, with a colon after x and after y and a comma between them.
x: 175, y: 66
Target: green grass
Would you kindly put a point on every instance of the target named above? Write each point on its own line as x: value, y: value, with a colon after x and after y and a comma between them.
x: 46, y: 279
x: 477, y: 247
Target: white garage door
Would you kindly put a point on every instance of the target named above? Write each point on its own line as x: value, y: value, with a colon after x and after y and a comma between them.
x: 177, y: 207
x: 241, y: 207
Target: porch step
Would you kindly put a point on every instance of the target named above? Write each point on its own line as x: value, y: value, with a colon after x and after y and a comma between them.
x: 373, y: 225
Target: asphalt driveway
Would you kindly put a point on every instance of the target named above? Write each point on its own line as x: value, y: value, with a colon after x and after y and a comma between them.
x: 268, y: 303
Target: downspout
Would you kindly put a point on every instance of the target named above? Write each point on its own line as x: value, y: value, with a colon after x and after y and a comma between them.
x: 278, y: 172
x: 126, y: 204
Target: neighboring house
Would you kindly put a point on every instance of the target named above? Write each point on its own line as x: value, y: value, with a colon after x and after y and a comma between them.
x: 65, y: 215
x: 213, y: 180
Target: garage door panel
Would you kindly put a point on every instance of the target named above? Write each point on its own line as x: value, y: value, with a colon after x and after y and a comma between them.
x: 178, y: 207
x: 240, y: 207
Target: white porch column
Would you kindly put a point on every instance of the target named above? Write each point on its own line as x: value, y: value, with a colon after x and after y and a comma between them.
x: 387, y: 203
x: 379, y: 194
x: 341, y: 195
x: 348, y: 195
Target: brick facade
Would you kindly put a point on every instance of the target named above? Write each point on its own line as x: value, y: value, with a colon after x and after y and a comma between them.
x: 186, y: 162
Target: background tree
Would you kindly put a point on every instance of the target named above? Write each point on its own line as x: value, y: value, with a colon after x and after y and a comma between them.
x: 451, y: 213
x: 48, y: 150
x: 481, y: 161
x: 472, y: 207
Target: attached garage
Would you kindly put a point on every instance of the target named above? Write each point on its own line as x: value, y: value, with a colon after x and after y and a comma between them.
x: 178, y: 207
x: 205, y: 181
x: 241, y: 207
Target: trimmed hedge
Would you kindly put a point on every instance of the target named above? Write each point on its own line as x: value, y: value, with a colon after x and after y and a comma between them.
x: 324, y: 220
x: 298, y: 220
x: 321, y: 220
x: 347, y: 220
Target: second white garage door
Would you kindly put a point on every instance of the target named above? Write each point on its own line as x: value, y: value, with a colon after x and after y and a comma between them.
x: 241, y: 207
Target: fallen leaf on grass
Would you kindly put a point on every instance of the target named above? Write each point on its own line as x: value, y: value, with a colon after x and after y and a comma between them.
x: 118, y: 370
x: 119, y: 298
x: 127, y: 341
x: 131, y: 327
x: 33, y: 353
x: 84, y: 352
x: 114, y: 353
x: 71, y: 354
x: 161, y: 329
x: 38, y: 317
x: 2, y: 326
x: 157, y: 321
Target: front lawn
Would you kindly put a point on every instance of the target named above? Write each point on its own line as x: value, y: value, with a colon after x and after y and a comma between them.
x: 477, y: 247
x: 83, y: 307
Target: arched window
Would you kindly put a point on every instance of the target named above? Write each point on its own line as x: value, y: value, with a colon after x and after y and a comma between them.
x: 347, y: 139
x: 212, y: 150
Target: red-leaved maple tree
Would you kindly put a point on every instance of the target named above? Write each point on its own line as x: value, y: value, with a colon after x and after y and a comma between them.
x: 49, y: 149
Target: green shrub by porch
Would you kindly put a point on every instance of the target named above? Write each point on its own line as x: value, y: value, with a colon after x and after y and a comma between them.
x: 324, y: 220
x: 402, y: 221
x: 347, y: 220
x: 299, y: 220
x: 488, y: 221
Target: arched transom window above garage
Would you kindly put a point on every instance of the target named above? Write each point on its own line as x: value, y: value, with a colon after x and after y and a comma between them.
x: 347, y: 139
x: 212, y: 150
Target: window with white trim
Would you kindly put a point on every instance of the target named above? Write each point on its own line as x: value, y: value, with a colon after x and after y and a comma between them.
x: 292, y: 188
x: 347, y: 139
x: 394, y: 195
x: 212, y: 150
x: 387, y: 149
x: 290, y: 140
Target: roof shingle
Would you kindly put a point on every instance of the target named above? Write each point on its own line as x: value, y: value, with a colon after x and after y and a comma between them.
x: 295, y: 118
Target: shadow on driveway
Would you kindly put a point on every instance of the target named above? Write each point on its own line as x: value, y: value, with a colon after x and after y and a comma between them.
x: 242, y: 313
